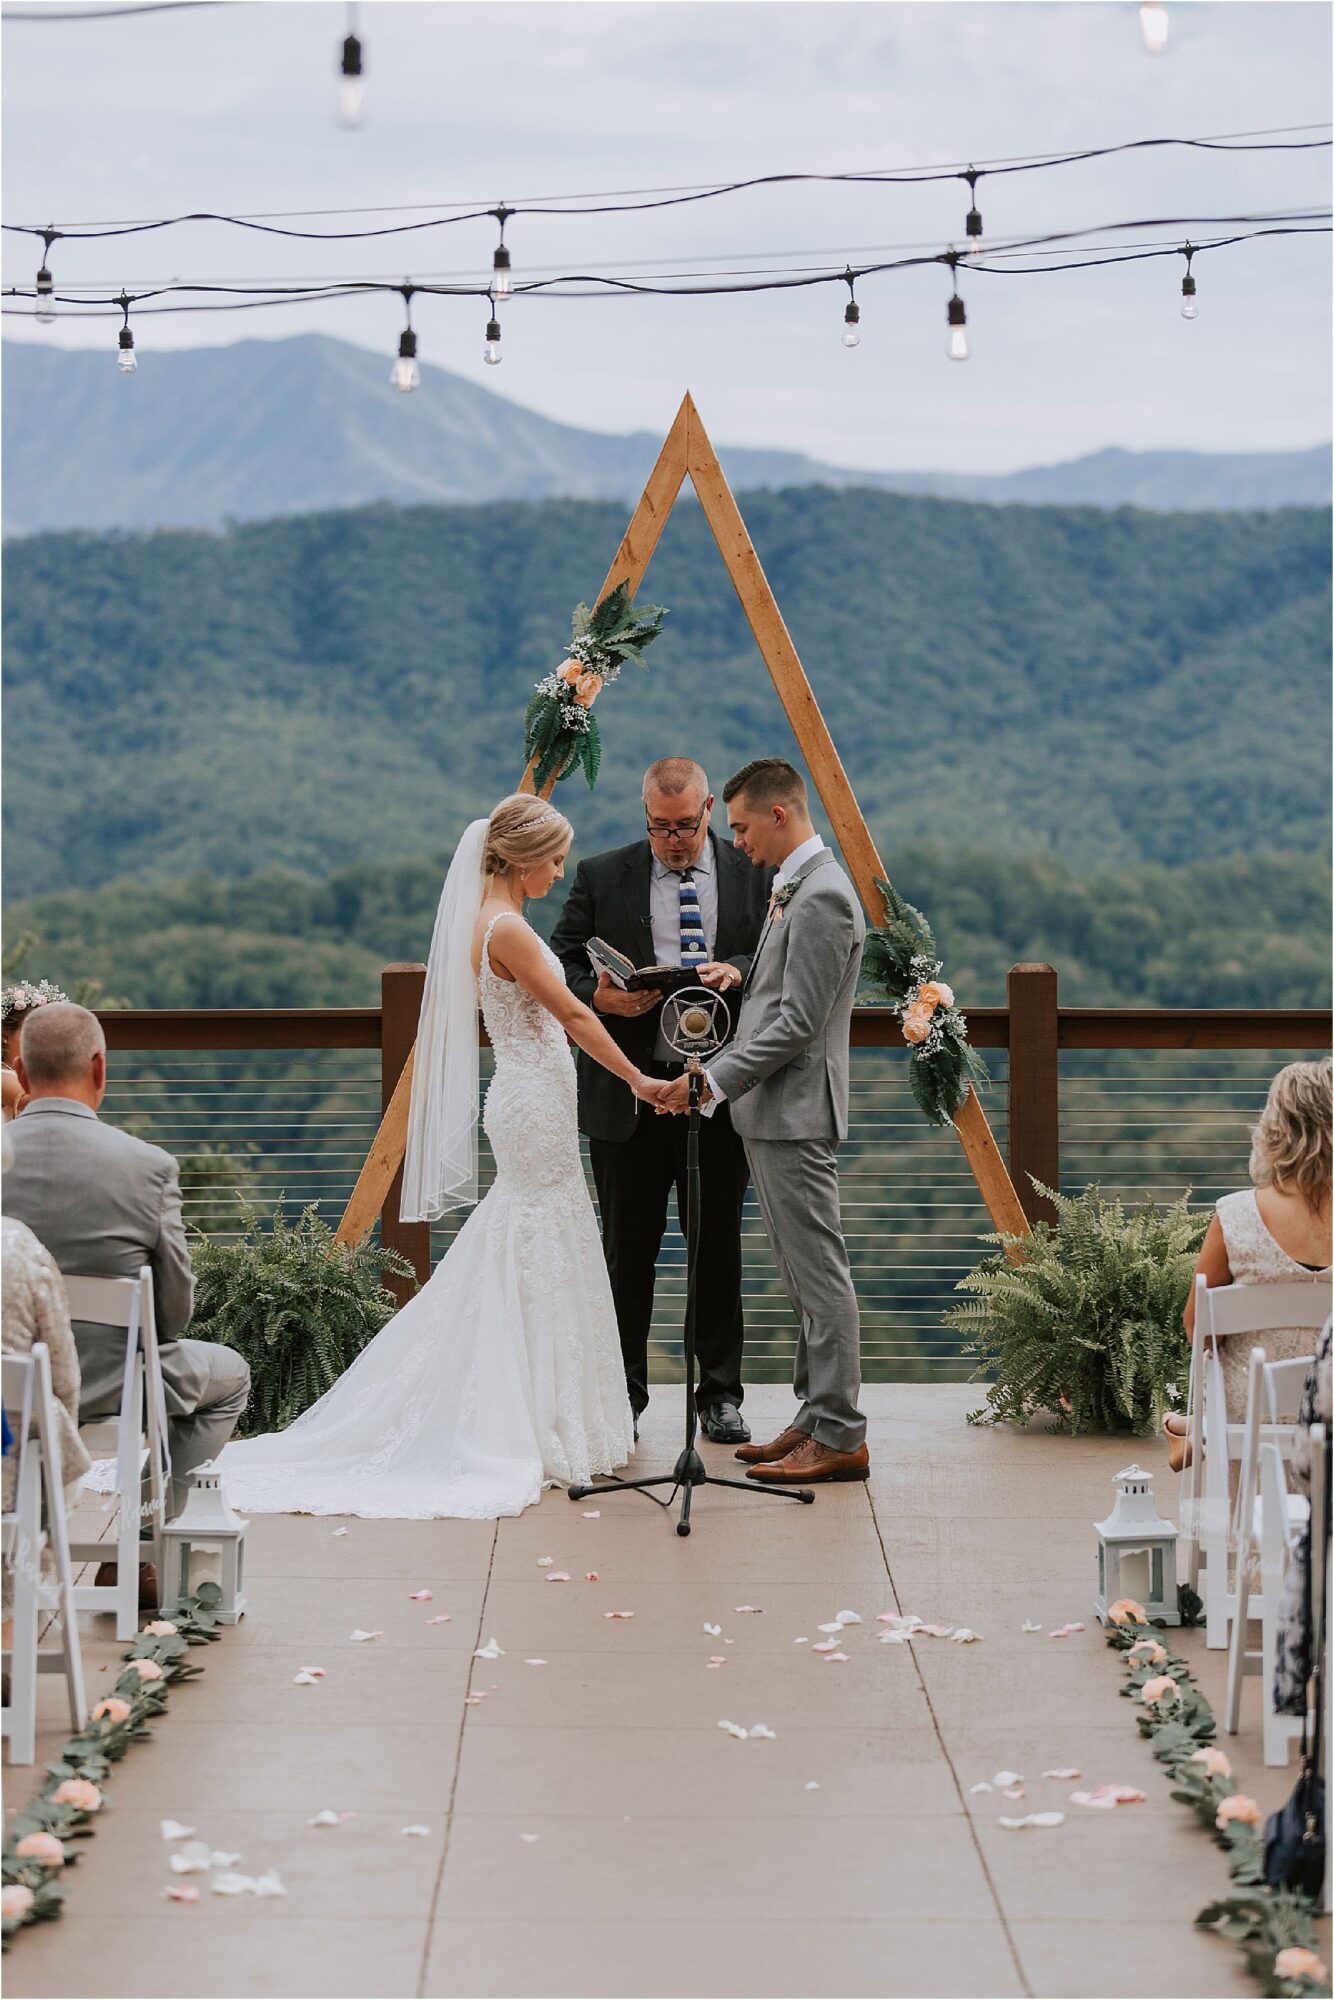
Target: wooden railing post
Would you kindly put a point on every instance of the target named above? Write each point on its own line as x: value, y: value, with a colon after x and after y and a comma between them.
x: 400, y: 1003
x: 1035, y: 1125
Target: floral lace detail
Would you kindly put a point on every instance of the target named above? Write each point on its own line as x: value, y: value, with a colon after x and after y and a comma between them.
x: 504, y: 1372
x: 1254, y: 1257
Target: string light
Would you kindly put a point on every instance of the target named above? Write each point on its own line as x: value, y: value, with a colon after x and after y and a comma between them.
x: 1154, y: 26
x: 956, y: 319
x: 502, y: 276
x: 973, y: 220
x: 126, y: 359
x: 1189, y: 309
x: 405, y: 375
x: 491, y: 352
x: 351, y: 90
x: 46, y: 312
x: 852, y: 314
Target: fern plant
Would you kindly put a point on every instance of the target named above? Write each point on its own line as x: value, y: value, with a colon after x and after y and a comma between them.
x: 297, y: 1303
x: 1088, y: 1326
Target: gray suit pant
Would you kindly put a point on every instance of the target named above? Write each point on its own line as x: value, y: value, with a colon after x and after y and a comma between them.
x: 205, y: 1386
x: 797, y: 1184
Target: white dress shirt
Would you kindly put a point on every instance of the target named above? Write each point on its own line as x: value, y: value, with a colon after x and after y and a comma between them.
x: 784, y: 873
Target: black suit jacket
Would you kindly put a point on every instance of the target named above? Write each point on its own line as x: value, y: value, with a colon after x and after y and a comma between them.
x: 609, y: 898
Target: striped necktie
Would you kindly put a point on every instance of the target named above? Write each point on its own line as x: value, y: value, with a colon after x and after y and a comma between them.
x: 694, y: 951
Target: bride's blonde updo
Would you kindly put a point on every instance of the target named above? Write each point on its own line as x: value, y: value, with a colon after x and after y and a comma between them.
x: 524, y: 831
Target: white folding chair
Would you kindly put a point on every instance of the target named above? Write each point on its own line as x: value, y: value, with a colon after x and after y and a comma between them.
x: 141, y: 1442
x: 1268, y: 1521
x: 35, y: 1523
x: 1228, y: 1312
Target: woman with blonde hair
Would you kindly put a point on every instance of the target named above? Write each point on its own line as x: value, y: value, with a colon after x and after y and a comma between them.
x: 504, y: 1372
x: 1275, y: 1232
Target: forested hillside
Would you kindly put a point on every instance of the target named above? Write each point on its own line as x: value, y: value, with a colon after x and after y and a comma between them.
x: 329, y: 690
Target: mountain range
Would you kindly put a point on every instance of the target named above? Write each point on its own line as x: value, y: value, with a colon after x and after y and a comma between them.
x: 203, y: 436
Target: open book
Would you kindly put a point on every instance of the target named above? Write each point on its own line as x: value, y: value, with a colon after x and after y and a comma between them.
x: 631, y: 978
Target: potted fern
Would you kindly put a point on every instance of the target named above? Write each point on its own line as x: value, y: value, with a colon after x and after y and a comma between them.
x: 296, y: 1302
x: 1088, y: 1326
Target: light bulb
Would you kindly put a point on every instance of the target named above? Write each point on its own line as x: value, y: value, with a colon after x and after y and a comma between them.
x: 1153, y: 24
x: 973, y: 231
x: 351, y: 90
x: 502, y: 276
x: 491, y: 352
x: 126, y: 359
x: 46, y: 312
x: 405, y: 375
x: 956, y: 345
x: 851, y: 324
x: 1189, y: 307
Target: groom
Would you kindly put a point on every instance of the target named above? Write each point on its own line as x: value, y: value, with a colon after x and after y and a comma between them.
x: 785, y: 1078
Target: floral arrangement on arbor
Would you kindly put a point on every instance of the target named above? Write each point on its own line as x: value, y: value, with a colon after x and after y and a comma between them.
x: 1274, y: 1927
x: 560, y: 732
x: 39, y: 1840
x: 900, y: 960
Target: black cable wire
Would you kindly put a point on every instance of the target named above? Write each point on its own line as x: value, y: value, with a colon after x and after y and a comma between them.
x: 1033, y: 165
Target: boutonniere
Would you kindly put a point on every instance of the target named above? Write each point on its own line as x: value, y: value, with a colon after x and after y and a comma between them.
x: 779, y: 898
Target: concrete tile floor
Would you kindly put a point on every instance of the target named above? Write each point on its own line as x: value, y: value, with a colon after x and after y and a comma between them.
x: 670, y: 1858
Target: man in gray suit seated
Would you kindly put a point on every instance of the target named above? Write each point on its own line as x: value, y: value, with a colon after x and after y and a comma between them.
x: 105, y: 1204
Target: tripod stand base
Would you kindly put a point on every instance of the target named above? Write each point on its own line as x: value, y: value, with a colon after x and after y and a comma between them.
x: 688, y: 1473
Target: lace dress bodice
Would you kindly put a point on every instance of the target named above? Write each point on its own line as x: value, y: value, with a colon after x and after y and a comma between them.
x: 1254, y: 1257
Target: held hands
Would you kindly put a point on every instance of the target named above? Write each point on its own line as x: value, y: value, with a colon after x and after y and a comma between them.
x: 609, y: 998
x: 649, y: 1089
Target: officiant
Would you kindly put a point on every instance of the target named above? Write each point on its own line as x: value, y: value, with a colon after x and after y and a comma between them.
x: 680, y: 896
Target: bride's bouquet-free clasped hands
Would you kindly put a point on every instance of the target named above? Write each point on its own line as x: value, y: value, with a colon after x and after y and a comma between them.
x: 560, y: 732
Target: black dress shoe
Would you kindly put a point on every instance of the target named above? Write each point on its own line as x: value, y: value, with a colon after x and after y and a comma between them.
x: 724, y: 1424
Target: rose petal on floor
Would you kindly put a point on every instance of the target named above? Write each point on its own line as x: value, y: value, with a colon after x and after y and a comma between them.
x: 963, y: 1636
x: 1064, y: 1771
x: 1016, y: 1792
x: 849, y: 1618
x: 735, y: 1729
x: 337, y: 1532
x: 1030, y: 1625
x: 1004, y: 1778
x: 983, y: 1786
x: 590, y: 1576
x: 441, y: 1618
x: 306, y: 1679
x: 530, y: 1837
x: 826, y: 1646
x: 834, y: 1627
x: 471, y: 1700
x: 758, y: 1608
x: 895, y: 1638
x: 228, y: 1884
x: 192, y: 1859
x: 1108, y: 1797
x: 420, y: 1596
x: 592, y: 1513
x: 559, y: 1576
x: 181, y: 1892
x: 932, y: 1631
x: 490, y: 1651
x: 268, y: 1885
x: 359, y: 1635
x: 1034, y: 1819
x: 812, y: 1784
x: 714, y: 1630
x: 760, y: 1729
x: 1064, y: 1631
x: 171, y: 1829
x: 545, y: 1562
x: 417, y: 1832
x: 801, y: 1642
x: 325, y: 1818
x: 534, y: 1663
x: 837, y: 1659
x: 220, y: 1860
x: 618, y: 1614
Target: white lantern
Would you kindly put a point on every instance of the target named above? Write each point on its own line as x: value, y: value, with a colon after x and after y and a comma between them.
x: 206, y: 1544
x: 1137, y: 1552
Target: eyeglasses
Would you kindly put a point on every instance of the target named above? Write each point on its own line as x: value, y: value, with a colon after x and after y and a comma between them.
x: 657, y: 831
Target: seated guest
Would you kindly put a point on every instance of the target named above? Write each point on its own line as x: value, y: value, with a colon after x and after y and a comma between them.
x: 104, y: 1204
x: 34, y: 1308
x: 1275, y: 1232
x: 1292, y: 1663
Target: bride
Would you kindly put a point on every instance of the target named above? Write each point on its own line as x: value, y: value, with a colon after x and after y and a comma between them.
x: 504, y: 1372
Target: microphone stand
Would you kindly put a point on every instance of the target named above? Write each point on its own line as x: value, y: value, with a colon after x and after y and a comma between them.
x: 689, y: 1470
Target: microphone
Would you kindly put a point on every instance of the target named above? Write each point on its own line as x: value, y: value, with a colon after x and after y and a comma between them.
x: 695, y: 1022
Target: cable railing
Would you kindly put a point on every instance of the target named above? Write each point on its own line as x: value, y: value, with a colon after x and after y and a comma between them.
x: 263, y: 1104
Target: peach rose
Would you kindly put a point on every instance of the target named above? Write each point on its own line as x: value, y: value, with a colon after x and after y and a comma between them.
x: 587, y: 688
x: 1238, y: 1807
x: 1214, y: 1762
x: 570, y: 672
x: 1296, y: 1962
x: 1147, y: 1652
x: 112, y: 1709
x: 917, y: 1024
x: 1125, y: 1611
x: 935, y: 993
x: 16, y: 1899
x: 79, y: 1792
x: 147, y: 1670
x: 1161, y: 1688
x: 43, y: 1847
x: 161, y: 1628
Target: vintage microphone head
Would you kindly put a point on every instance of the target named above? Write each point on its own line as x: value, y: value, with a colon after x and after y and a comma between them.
x: 695, y: 1021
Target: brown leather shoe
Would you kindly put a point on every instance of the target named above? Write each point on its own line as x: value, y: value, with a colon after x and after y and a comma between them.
x: 767, y: 1454
x: 811, y: 1461
x: 148, y: 1598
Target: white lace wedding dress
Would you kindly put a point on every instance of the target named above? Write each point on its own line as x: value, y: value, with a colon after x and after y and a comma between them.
x: 504, y: 1372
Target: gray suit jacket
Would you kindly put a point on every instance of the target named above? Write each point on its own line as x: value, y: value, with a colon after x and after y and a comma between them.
x: 103, y: 1202
x: 786, y: 1074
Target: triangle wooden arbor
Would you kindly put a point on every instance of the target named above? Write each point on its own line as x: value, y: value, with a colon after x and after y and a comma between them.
x: 687, y: 452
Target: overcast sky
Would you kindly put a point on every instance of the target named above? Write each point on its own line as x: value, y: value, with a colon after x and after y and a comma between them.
x: 231, y: 108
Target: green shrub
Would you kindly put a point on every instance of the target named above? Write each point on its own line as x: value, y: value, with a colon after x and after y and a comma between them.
x: 296, y: 1302
x: 1088, y: 1326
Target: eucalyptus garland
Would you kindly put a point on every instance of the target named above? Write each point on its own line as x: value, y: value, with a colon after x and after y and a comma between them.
x: 1274, y: 1927
x: 900, y: 961
x: 38, y: 1844
x: 560, y: 732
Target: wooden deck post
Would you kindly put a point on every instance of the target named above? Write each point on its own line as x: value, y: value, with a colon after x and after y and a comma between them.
x: 1035, y: 1124
x: 400, y: 1002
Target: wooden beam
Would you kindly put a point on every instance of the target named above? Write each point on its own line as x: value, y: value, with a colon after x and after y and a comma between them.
x: 1035, y: 1124
x: 826, y: 768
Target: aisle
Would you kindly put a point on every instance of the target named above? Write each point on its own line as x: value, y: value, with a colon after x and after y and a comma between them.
x: 591, y: 1830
